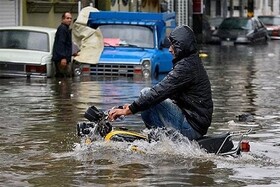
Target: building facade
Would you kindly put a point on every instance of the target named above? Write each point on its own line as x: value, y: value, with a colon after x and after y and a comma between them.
x: 32, y: 12
x: 10, y: 12
x: 42, y: 12
x: 229, y: 8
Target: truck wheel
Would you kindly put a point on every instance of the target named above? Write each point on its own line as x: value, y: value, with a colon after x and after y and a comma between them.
x: 156, y: 73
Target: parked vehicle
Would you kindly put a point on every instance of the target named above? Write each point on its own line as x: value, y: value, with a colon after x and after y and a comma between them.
x: 135, y: 43
x: 26, y: 51
x: 272, y: 24
x: 215, y: 22
x: 205, y: 36
x: 242, y: 30
x: 214, y: 25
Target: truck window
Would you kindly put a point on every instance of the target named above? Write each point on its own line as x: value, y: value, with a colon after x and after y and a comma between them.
x: 128, y: 34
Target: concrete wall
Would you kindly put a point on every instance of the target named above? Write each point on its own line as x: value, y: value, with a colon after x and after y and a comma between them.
x: 49, y: 19
x: 261, y: 7
x: 137, y: 6
x: 52, y: 18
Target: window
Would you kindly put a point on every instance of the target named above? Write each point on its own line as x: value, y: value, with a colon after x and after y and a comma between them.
x: 29, y: 40
x: 232, y: 23
x: 128, y: 35
x: 270, y: 20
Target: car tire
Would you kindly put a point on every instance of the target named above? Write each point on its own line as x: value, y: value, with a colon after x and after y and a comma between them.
x: 156, y: 73
x: 266, y: 40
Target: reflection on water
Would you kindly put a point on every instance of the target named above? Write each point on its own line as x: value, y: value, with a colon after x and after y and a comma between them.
x: 39, y: 145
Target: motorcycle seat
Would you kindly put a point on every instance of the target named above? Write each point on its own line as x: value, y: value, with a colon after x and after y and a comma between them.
x: 212, y: 143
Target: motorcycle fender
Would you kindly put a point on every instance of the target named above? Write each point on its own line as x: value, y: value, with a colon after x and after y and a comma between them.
x: 111, y: 134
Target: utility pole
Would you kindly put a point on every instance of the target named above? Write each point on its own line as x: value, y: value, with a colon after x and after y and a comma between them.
x: 231, y: 8
x: 241, y: 8
x: 197, y: 19
x: 225, y: 9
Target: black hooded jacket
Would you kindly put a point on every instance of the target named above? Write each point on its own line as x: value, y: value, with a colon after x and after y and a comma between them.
x: 62, y: 47
x: 187, y: 84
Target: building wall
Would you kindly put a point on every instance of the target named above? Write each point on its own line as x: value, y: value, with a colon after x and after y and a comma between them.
x: 265, y: 7
x: 52, y: 17
x: 14, y: 12
x: 9, y: 13
x: 261, y: 7
x: 136, y: 6
x: 46, y: 19
x: 182, y: 12
x: 150, y: 6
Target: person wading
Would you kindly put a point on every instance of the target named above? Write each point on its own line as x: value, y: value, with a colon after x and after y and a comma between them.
x: 62, y: 47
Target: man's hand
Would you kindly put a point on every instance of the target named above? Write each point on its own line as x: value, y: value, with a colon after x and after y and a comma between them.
x: 75, y: 54
x: 63, y: 63
x: 116, y: 113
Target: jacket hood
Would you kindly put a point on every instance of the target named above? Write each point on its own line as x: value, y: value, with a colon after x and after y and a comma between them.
x: 183, y: 40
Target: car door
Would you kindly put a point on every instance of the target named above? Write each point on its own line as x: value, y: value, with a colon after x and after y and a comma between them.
x: 256, y: 33
x: 261, y: 31
x: 252, y: 31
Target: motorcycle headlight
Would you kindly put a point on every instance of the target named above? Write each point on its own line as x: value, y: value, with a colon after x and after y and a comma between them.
x: 83, y: 128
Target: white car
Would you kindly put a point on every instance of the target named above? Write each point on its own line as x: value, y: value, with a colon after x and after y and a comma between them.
x: 26, y: 51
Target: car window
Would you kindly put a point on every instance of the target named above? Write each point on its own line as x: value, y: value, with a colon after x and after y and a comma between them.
x: 266, y: 20
x: 21, y: 39
x: 215, y: 22
x: 129, y: 35
x: 270, y: 20
x: 255, y: 24
x: 262, y: 24
x: 236, y: 24
x: 276, y: 21
x: 258, y: 23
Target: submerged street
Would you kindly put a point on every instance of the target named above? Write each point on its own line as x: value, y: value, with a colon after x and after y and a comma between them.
x: 39, y: 145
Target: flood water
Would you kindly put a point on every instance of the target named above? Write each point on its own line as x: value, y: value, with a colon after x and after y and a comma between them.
x: 39, y: 146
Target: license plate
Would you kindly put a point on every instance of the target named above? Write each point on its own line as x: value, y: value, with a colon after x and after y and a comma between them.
x: 122, y: 71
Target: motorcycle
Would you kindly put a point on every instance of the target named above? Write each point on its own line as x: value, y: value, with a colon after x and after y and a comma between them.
x: 98, y: 126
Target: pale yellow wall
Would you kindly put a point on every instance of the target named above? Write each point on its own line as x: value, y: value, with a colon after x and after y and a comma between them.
x: 120, y: 7
x: 50, y: 19
x: 150, y: 6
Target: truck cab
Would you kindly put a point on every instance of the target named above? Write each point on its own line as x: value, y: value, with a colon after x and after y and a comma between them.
x: 135, y: 43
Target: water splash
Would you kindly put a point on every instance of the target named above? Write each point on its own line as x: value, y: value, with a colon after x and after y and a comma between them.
x: 165, y: 148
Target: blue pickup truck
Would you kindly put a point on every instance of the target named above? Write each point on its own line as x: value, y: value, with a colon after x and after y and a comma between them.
x: 135, y: 43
